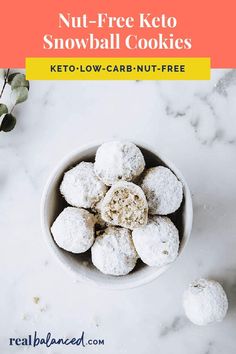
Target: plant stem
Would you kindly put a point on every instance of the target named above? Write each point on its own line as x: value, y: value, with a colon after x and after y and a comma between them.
x: 13, y: 108
x: 5, y: 82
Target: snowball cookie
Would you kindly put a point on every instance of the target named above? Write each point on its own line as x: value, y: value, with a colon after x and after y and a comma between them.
x: 116, y: 160
x: 163, y: 190
x: 81, y: 187
x: 113, y: 251
x: 125, y: 205
x: 157, y: 243
x: 204, y: 302
x: 73, y: 230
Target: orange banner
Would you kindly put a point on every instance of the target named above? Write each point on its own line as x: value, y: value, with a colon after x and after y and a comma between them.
x: 141, y: 28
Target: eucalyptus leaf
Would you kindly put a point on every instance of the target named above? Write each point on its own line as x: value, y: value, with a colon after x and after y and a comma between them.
x: 19, y: 81
x: 3, y: 109
x: 11, y: 77
x: 19, y: 95
x: 8, y: 123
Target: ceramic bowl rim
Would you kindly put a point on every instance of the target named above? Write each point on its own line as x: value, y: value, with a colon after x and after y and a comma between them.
x: 81, y: 277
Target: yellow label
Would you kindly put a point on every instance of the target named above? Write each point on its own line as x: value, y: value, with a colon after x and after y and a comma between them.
x: 118, y: 68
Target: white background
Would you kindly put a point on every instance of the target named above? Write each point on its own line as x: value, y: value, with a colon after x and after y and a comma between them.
x: 191, y: 123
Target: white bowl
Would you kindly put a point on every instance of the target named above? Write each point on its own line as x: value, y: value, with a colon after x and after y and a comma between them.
x: 80, y: 264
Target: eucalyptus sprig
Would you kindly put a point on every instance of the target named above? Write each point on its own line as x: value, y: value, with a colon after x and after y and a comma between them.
x: 19, y: 93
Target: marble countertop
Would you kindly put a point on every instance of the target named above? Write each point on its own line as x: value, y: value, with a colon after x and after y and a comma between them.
x: 194, y: 125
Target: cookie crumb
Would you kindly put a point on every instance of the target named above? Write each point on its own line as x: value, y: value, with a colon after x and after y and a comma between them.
x: 36, y: 299
x: 44, y: 308
x: 25, y: 317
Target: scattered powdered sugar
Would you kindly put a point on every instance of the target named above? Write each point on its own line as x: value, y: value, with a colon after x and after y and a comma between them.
x: 113, y: 251
x: 118, y: 160
x: 81, y: 187
x: 204, y: 302
x: 164, y: 192
x: 157, y: 243
x: 73, y: 230
x: 125, y: 205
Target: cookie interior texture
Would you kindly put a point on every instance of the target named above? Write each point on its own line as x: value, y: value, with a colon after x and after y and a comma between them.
x: 126, y: 208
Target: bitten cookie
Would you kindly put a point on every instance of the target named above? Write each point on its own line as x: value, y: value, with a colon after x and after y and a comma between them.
x: 125, y: 205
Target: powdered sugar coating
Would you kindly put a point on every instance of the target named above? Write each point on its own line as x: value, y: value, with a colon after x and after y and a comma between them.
x: 125, y: 205
x: 164, y: 192
x: 81, y: 187
x: 116, y: 160
x: 113, y: 251
x: 205, y: 302
x: 73, y: 230
x: 157, y: 243
x: 96, y: 210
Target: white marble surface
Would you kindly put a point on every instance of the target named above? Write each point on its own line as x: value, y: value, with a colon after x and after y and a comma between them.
x: 193, y: 124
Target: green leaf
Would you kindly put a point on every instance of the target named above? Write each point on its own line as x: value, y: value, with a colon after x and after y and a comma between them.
x: 3, y: 109
x: 11, y: 77
x: 19, y: 95
x: 19, y: 81
x: 8, y: 123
